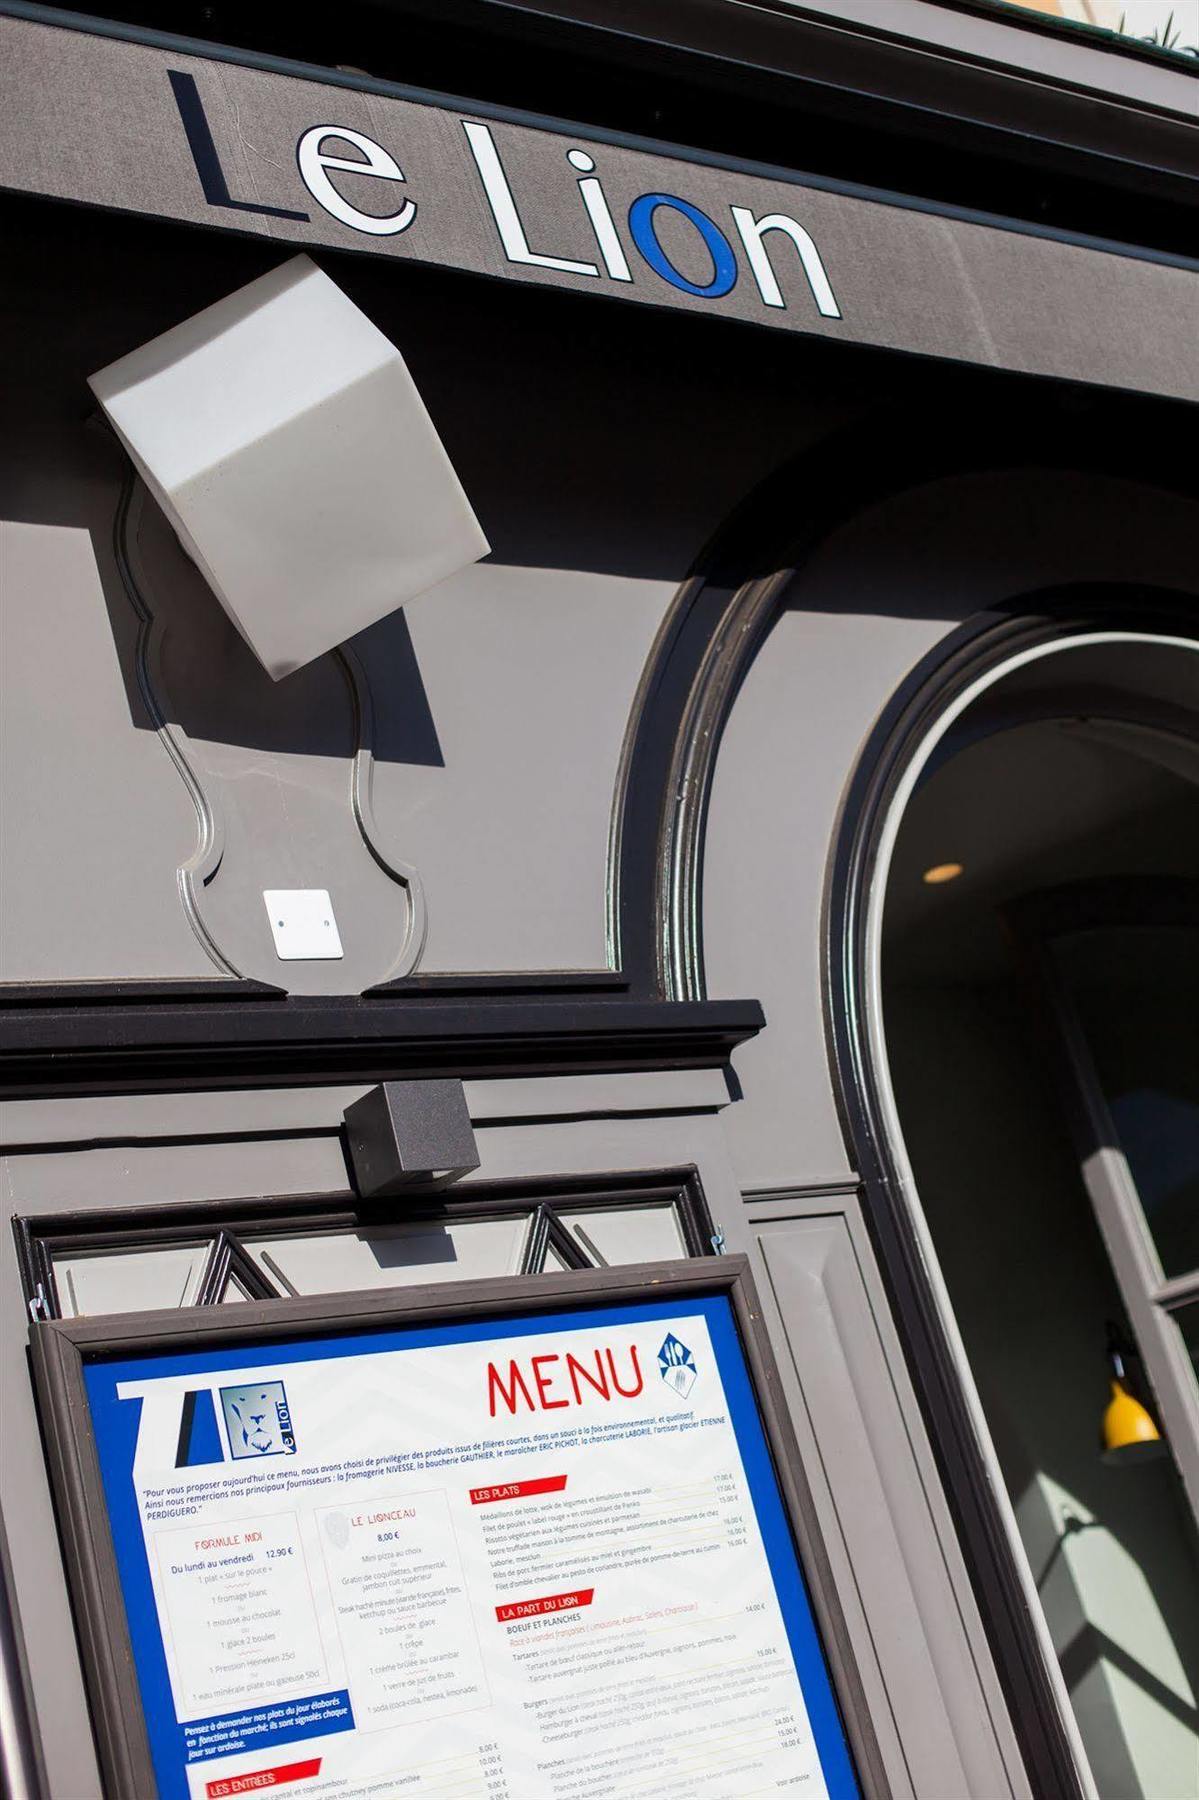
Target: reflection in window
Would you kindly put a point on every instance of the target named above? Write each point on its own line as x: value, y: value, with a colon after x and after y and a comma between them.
x: 1163, y: 25
x: 1159, y: 1134
x: 1136, y: 994
x: 142, y: 1280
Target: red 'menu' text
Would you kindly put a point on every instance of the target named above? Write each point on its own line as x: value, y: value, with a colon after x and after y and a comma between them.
x: 551, y: 1381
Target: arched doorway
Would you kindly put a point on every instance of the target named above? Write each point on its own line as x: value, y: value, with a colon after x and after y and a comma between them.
x: 1030, y: 984
x: 804, y: 673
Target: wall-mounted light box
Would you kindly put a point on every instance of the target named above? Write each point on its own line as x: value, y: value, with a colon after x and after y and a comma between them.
x: 286, y: 442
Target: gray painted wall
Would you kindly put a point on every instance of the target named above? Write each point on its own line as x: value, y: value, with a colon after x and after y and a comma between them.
x: 496, y: 704
x: 600, y: 453
x: 877, y: 595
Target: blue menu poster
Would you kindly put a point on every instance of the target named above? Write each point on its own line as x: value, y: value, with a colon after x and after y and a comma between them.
x: 537, y: 1558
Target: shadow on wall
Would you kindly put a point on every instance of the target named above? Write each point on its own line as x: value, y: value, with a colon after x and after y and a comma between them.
x: 201, y: 673
x: 588, y: 435
x: 212, y: 686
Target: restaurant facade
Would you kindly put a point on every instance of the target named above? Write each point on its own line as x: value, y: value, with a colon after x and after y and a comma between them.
x: 600, y: 696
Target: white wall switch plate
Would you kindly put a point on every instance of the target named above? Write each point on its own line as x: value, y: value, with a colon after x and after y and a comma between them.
x: 302, y: 924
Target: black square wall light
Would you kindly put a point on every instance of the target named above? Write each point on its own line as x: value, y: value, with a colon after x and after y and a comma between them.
x: 407, y: 1131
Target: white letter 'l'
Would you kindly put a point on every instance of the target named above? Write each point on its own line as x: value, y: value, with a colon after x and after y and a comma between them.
x: 503, y: 207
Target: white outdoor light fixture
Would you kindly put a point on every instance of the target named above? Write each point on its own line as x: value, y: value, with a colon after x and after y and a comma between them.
x: 286, y: 442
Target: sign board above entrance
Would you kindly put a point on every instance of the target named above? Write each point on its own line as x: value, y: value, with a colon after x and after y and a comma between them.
x: 217, y: 139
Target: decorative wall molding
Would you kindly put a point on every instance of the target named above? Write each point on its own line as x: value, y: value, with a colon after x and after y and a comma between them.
x: 267, y: 1042
x: 728, y: 654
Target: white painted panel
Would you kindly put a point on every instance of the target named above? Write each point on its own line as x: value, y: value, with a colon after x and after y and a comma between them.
x: 852, y: 1396
x: 627, y: 1234
x: 396, y: 1255
x: 129, y: 1280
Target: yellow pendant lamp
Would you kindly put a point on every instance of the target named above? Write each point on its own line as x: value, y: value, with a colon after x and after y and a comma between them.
x: 1129, y: 1432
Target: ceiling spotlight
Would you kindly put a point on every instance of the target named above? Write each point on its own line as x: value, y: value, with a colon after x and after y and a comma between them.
x: 941, y: 873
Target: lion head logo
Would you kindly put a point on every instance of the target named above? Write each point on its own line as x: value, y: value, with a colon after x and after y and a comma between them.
x: 258, y: 1420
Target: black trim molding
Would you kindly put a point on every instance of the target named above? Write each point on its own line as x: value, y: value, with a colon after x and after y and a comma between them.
x: 230, y: 1227
x: 54, y: 995
x: 64, y: 1049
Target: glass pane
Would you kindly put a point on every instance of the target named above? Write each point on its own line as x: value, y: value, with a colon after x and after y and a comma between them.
x: 114, y: 1281
x: 395, y: 1255
x: 627, y: 1234
x: 1137, y: 996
